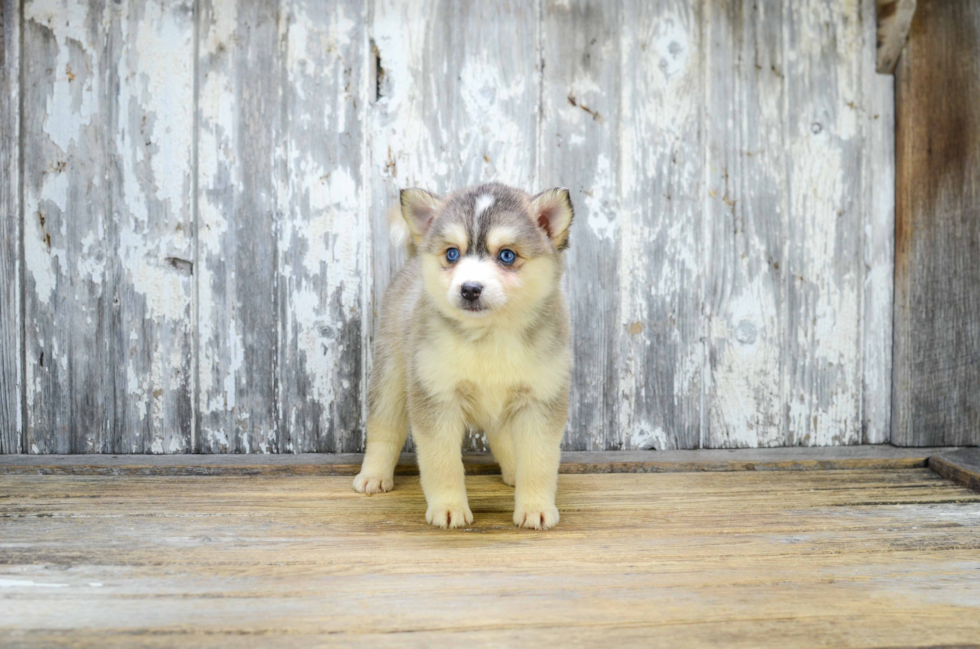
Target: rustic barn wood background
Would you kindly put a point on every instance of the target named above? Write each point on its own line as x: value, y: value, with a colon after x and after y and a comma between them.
x: 194, y: 198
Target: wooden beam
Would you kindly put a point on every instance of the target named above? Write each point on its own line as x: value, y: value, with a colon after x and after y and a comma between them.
x: 714, y: 460
x: 894, y: 20
x: 936, y: 345
x: 962, y: 466
x: 11, y: 341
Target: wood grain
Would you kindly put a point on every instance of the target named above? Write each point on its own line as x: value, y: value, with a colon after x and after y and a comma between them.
x: 824, y: 256
x: 240, y: 131
x: 321, y: 230
x: 961, y: 466
x: 579, y: 134
x: 883, y: 558
x: 894, y: 20
x: 399, y: 153
x: 150, y: 240
x: 773, y: 459
x: 878, y: 164
x: 746, y: 226
x: 661, y: 263
x: 108, y: 304
x: 11, y: 318
x: 935, y: 399
x: 205, y: 229
x: 70, y: 301
x: 785, y: 282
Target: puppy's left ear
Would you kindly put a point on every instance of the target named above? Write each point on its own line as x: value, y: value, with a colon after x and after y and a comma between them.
x: 419, y: 208
x: 553, y: 212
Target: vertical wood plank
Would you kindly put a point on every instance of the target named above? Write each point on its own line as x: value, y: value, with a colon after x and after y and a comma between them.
x: 456, y: 104
x: 786, y: 281
x: 825, y: 265
x: 322, y: 232
x: 68, y: 305
x: 150, y: 129
x: 662, y: 184
x: 746, y: 229
x: 11, y: 325
x: 579, y: 135
x: 239, y: 130
x: 878, y: 160
x: 401, y: 151
x: 935, y: 398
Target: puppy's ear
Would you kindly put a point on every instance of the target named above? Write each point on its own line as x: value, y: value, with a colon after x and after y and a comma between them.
x: 398, y: 232
x: 419, y: 208
x: 553, y: 212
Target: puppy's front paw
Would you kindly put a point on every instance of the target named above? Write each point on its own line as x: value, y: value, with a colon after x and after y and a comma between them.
x: 536, y: 518
x: 458, y: 515
x: 507, y: 477
x: 367, y: 483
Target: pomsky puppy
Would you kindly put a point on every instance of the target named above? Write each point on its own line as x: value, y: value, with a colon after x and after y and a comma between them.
x: 474, y: 331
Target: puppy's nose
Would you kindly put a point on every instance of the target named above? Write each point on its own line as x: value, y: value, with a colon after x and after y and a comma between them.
x: 471, y: 291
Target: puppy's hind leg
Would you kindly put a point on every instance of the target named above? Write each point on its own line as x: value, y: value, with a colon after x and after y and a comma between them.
x: 502, y: 447
x: 387, y: 428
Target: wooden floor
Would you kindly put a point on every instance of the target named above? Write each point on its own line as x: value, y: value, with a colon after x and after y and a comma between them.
x: 850, y: 558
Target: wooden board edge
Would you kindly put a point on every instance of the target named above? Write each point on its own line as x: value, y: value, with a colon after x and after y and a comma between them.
x: 894, y: 20
x: 348, y: 464
x: 708, y: 466
x: 961, y: 466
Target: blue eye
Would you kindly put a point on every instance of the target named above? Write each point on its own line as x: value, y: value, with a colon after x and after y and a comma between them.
x: 452, y: 254
x: 506, y: 256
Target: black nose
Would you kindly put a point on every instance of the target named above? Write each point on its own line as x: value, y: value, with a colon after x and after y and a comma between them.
x: 471, y: 291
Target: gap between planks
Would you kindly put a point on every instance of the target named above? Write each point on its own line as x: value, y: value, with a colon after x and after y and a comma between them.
x: 959, y: 465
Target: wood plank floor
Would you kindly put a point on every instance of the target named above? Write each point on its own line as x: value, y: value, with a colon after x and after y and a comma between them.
x: 863, y: 558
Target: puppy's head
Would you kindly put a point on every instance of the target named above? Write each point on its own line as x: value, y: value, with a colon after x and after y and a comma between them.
x: 488, y: 251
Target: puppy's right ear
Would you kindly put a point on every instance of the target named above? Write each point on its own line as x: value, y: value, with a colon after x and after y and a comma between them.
x: 419, y: 209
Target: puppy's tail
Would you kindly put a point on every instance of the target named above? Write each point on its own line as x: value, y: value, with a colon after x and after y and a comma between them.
x: 399, y: 233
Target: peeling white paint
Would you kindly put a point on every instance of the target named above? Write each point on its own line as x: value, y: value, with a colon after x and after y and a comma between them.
x: 745, y: 382
x: 494, y: 131
x: 602, y: 208
x: 41, y: 262
x: 660, y: 197
x: 646, y: 437
x: 163, y: 44
x: 670, y: 41
x: 28, y: 583
x: 221, y: 28
x: 660, y: 252
x: 76, y: 87
x: 216, y: 378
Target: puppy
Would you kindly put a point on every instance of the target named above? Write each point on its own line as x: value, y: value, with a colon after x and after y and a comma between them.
x: 474, y: 331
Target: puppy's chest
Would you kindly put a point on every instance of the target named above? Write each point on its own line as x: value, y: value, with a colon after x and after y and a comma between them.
x: 487, y: 374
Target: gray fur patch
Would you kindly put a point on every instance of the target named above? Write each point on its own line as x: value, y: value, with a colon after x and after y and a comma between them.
x: 473, y: 209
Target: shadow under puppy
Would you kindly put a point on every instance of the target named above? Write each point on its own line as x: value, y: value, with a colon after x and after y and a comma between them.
x: 474, y: 331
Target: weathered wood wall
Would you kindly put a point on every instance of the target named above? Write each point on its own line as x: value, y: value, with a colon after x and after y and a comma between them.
x: 201, y: 246
x: 11, y: 329
x: 937, y: 254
